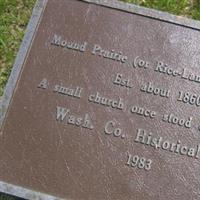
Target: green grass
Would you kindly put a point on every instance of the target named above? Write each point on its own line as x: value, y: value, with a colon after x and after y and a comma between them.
x: 15, y: 14
x: 187, y: 8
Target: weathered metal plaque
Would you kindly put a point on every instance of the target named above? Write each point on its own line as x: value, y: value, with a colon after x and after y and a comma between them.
x: 103, y: 103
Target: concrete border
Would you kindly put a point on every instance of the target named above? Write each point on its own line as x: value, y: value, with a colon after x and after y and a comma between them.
x: 25, y: 193
x: 10, y: 89
x: 21, y: 57
x: 24, y: 51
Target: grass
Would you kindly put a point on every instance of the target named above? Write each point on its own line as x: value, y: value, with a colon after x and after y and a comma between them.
x: 15, y: 14
x: 187, y: 8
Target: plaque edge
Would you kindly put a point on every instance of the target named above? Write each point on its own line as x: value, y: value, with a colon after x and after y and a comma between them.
x: 148, y: 12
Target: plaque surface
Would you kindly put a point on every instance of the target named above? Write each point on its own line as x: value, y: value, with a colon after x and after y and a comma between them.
x: 103, y: 103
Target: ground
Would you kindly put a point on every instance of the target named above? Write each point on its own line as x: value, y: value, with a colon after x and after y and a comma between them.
x: 15, y: 14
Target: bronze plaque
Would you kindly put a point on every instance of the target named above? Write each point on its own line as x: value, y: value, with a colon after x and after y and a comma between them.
x: 103, y: 104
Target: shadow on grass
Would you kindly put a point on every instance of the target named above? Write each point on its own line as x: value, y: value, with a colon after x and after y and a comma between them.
x: 8, y: 197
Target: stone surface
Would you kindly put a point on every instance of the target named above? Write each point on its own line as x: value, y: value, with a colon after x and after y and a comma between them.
x: 103, y: 103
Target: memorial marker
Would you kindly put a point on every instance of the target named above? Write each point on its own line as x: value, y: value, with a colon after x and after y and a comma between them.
x: 103, y: 103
